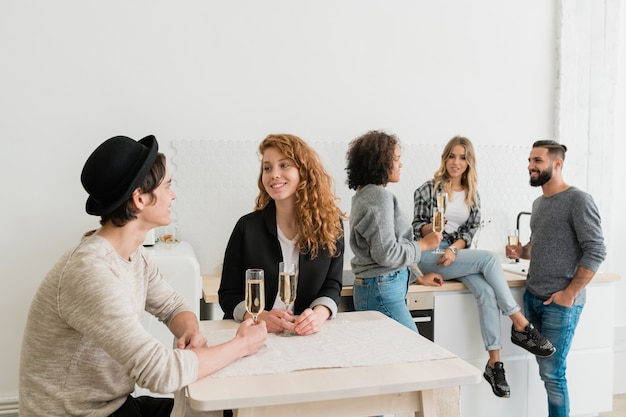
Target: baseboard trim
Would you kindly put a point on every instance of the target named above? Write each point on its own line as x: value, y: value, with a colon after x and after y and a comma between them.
x: 619, y: 351
x: 9, y: 406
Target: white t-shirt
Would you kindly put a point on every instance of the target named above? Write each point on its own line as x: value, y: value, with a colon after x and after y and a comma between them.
x: 457, y: 212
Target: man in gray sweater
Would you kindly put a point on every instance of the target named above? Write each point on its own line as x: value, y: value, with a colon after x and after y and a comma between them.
x: 567, y: 250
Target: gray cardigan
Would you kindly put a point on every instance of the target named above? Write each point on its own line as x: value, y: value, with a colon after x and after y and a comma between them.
x: 381, y: 236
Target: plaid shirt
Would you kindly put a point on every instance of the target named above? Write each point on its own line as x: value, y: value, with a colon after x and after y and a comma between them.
x: 424, y: 198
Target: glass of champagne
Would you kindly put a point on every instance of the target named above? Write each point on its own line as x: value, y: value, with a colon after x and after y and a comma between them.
x: 287, y: 286
x: 438, y: 220
x: 440, y: 214
x: 255, y: 292
x: 442, y: 201
x: 513, y: 241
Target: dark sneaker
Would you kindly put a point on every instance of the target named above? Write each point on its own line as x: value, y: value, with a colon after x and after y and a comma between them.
x: 533, y: 341
x: 495, y: 377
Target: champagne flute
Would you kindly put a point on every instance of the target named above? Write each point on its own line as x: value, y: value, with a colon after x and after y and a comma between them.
x: 442, y: 201
x: 255, y: 292
x: 513, y: 240
x: 440, y: 215
x: 438, y: 220
x: 287, y: 286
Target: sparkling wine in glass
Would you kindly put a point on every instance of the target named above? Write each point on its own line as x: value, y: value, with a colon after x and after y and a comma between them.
x: 287, y: 283
x: 287, y: 286
x: 255, y: 292
x: 513, y: 240
x: 442, y: 201
x: 438, y: 220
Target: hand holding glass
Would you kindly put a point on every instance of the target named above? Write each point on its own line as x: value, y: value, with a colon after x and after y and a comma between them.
x: 287, y: 286
x: 513, y: 241
x: 438, y: 220
x: 255, y: 292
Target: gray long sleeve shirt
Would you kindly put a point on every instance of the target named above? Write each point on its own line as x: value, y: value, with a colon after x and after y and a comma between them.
x: 381, y: 236
x: 566, y: 233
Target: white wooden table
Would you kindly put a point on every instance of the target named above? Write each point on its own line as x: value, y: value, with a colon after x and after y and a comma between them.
x: 398, y: 386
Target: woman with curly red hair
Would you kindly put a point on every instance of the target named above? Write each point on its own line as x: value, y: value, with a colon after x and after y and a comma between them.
x: 296, y: 219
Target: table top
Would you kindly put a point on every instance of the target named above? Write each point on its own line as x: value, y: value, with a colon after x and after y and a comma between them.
x: 424, y: 365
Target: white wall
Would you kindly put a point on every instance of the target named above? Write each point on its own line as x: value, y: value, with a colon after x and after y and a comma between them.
x: 617, y: 225
x: 74, y: 73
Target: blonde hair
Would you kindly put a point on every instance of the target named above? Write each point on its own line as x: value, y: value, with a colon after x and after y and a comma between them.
x: 469, y: 179
x: 318, y: 218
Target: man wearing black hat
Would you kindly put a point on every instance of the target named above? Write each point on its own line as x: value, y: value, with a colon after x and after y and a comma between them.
x: 84, y: 346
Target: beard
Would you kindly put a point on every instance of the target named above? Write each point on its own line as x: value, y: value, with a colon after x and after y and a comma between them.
x: 542, y: 178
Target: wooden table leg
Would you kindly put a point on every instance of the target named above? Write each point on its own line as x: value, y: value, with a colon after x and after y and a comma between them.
x: 427, y: 404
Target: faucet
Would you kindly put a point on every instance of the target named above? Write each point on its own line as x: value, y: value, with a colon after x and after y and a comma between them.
x: 520, y: 214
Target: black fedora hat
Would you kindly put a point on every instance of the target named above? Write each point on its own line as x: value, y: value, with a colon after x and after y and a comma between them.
x: 114, y: 170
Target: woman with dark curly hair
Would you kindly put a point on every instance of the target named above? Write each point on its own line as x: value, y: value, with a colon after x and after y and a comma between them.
x: 296, y: 219
x: 381, y: 236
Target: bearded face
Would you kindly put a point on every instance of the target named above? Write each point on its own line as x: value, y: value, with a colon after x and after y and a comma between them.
x: 538, y: 178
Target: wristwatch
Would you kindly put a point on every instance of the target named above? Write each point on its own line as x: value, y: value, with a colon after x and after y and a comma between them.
x: 454, y: 249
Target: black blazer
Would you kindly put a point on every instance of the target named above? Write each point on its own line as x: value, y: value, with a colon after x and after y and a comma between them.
x: 254, y: 244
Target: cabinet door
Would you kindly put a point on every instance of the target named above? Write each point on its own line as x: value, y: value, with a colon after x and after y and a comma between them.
x: 478, y: 400
x: 180, y: 268
x: 596, y: 328
x: 457, y: 327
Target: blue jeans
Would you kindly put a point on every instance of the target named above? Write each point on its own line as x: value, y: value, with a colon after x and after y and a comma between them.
x: 387, y: 294
x: 481, y: 272
x: 557, y: 324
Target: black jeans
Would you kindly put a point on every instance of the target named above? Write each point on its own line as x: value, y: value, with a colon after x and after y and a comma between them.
x: 145, y: 406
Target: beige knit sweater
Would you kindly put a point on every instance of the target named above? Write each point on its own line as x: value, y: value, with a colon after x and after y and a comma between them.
x: 84, y: 347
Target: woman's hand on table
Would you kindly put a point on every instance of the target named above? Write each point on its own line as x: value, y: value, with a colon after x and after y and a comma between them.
x: 278, y: 320
x: 311, y: 320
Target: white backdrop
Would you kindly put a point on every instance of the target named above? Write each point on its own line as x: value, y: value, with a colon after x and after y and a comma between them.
x: 76, y: 72
x: 208, y: 206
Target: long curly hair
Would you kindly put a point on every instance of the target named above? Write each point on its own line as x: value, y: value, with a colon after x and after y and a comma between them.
x: 370, y: 159
x: 318, y: 217
x: 469, y: 179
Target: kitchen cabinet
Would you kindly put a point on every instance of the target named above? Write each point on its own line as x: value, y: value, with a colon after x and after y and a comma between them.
x: 590, y: 362
x: 181, y: 269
